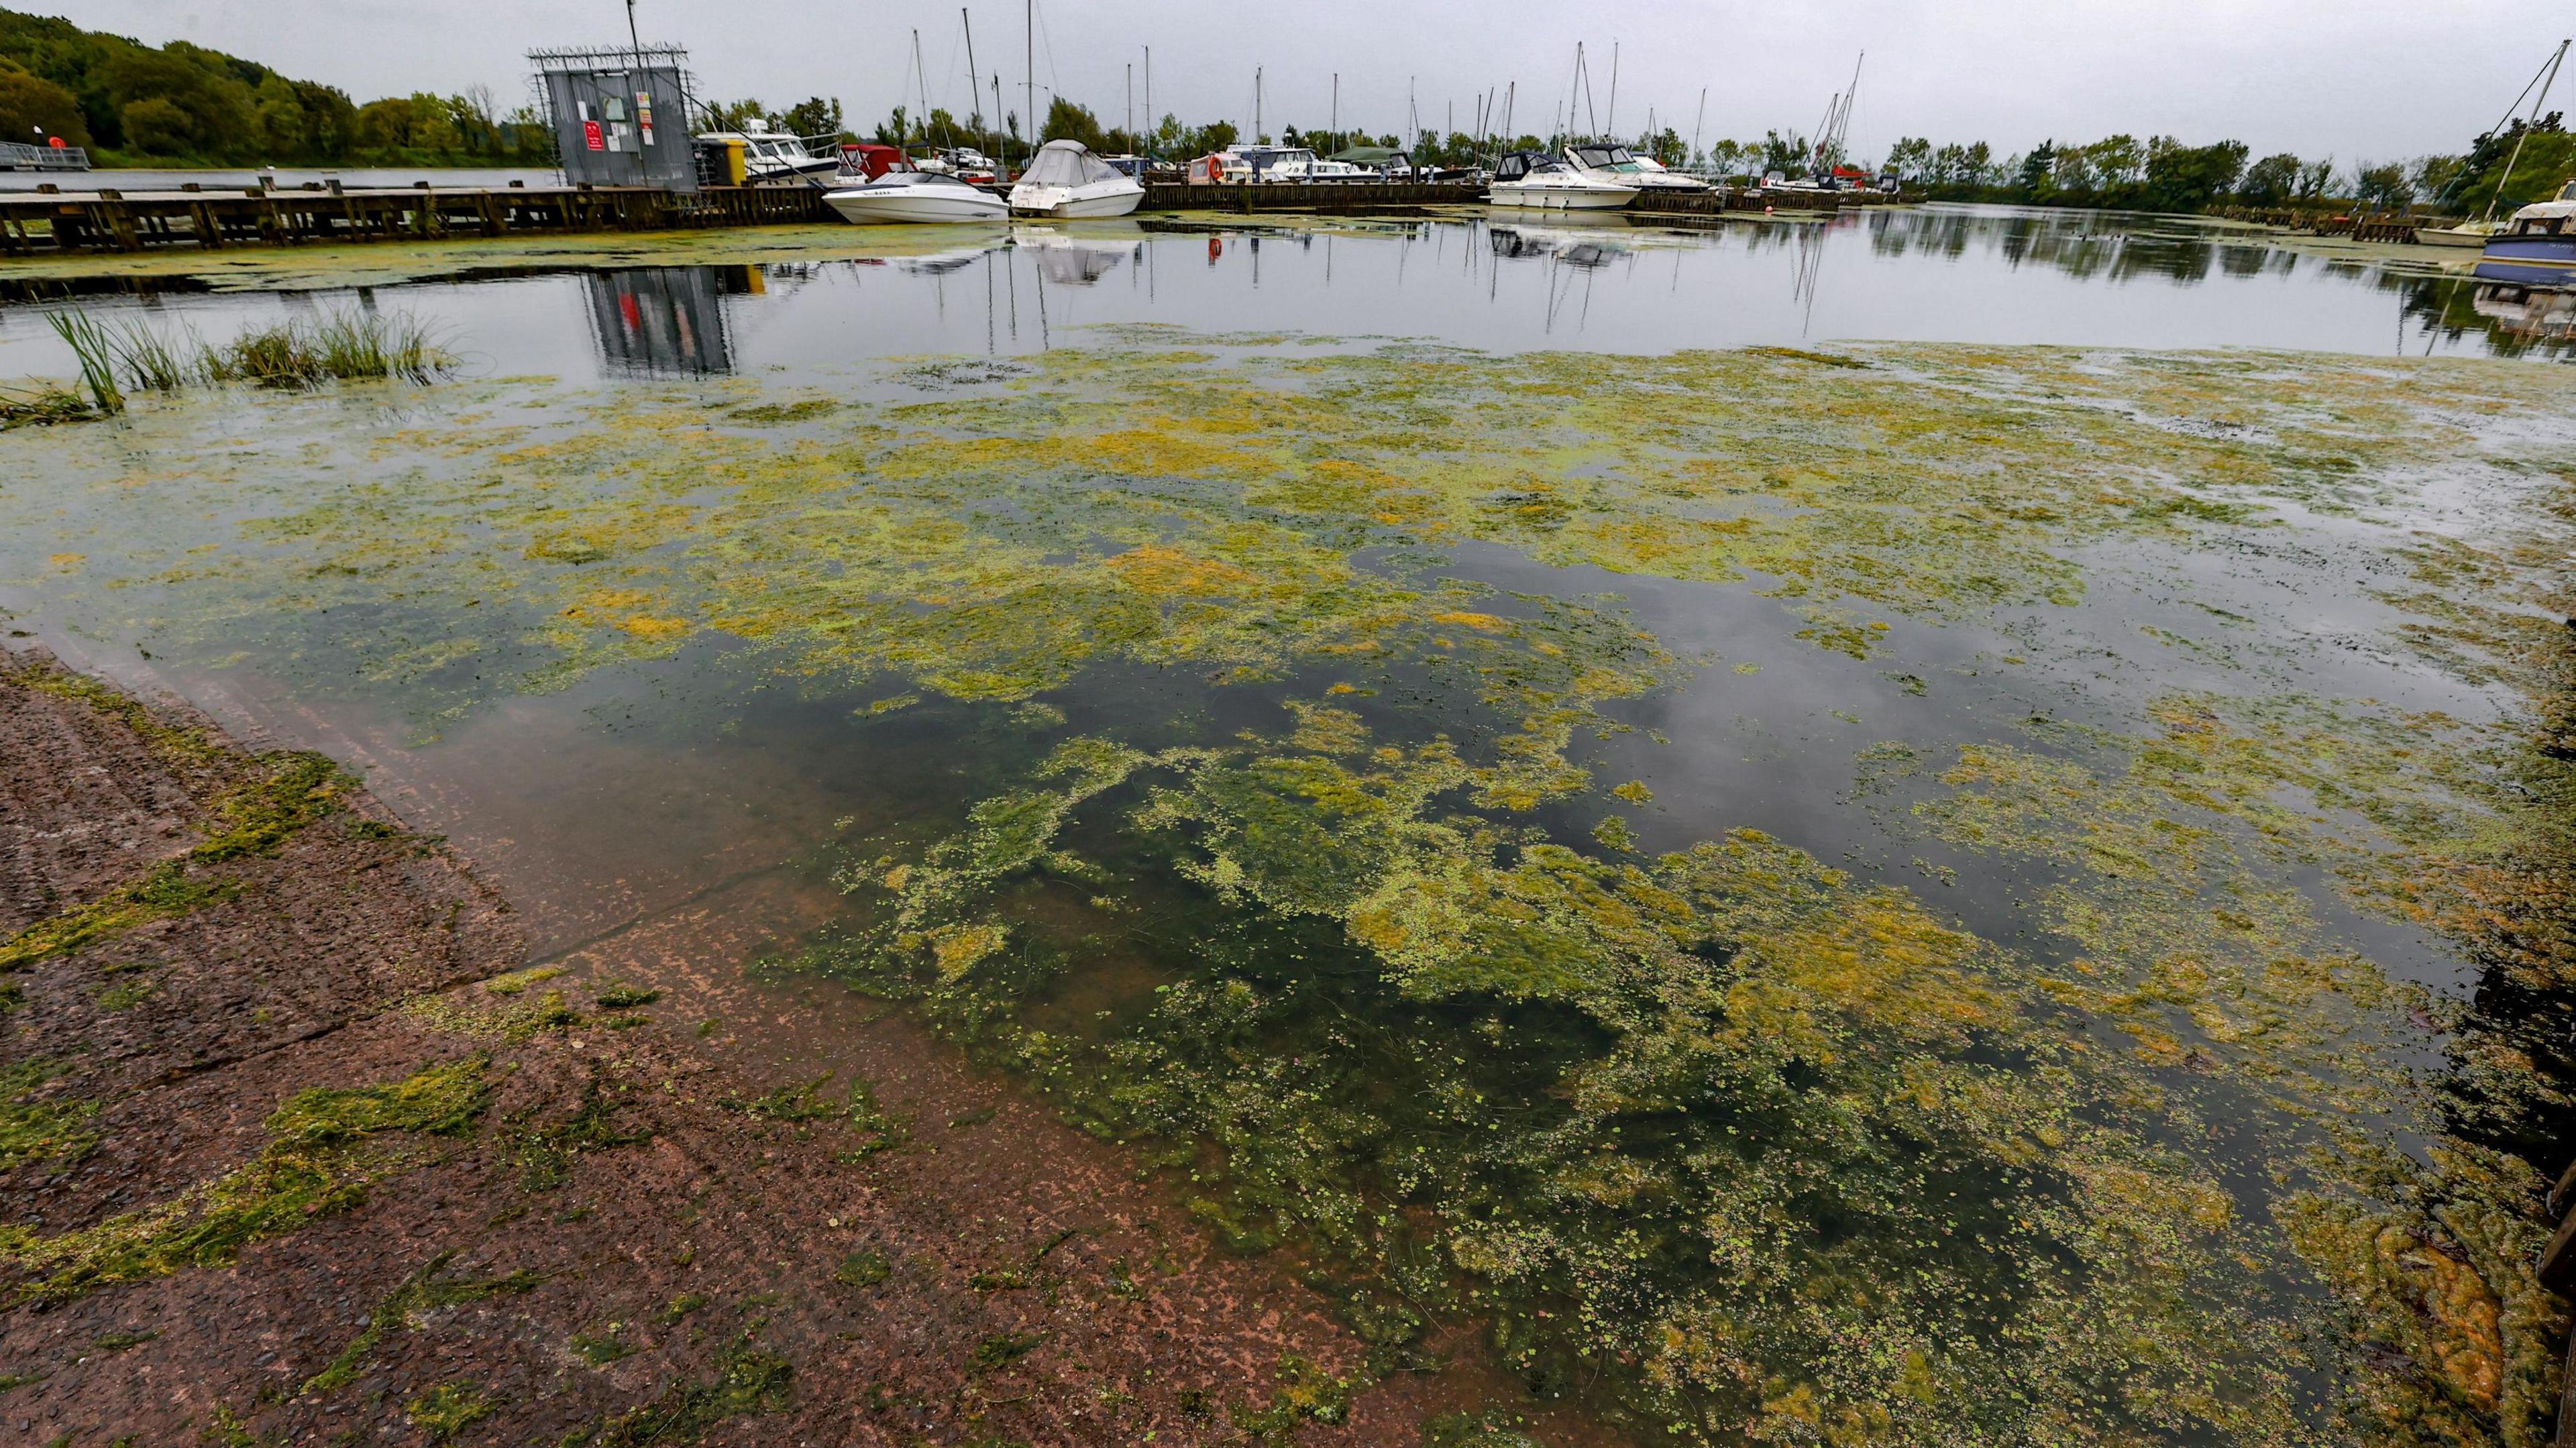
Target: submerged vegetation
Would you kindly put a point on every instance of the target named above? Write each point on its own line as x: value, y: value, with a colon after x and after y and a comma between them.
x: 2134, y: 1137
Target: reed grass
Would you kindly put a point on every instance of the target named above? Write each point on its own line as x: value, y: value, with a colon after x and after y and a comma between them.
x: 96, y: 349
x: 45, y: 405
x: 347, y: 346
x: 352, y: 346
x: 153, y: 363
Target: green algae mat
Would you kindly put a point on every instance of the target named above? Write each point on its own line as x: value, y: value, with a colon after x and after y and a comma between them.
x: 1886, y: 894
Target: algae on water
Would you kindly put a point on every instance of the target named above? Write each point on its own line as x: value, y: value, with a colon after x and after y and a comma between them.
x: 2227, y: 692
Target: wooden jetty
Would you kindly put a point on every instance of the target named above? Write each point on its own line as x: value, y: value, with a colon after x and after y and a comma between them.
x: 53, y: 220
x: 45, y: 221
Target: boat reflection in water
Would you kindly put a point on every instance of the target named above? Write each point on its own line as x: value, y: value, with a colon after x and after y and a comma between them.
x: 1080, y: 259
x: 1564, y: 246
x: 667, y: 321
x: 2539, y: 314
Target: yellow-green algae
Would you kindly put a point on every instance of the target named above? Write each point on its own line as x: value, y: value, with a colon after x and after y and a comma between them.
x: 1772, y: 1152
x: 1783, y: 1154
x: 325, y: 1149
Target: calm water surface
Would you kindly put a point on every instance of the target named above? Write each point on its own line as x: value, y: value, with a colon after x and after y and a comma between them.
x: 1984, y: 275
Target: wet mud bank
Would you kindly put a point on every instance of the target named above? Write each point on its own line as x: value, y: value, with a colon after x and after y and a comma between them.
x: 298, y: 1147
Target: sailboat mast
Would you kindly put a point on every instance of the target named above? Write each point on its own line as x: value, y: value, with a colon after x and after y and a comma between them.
x: 2507, y: 178
x: 1611, y: 133
x: 1696, y: 122
x: 1149, y: 91
x: 1031, y: 105
x: 921, y: 74
x: 1256, y: 105
x: 971, y: 75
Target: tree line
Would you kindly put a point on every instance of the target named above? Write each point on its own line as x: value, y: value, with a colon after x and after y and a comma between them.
x: 129, y: 102
x: 2163, y: 174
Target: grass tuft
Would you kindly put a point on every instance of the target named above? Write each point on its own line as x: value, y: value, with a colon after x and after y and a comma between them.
x: 94, y: 347
x: 344, y: 346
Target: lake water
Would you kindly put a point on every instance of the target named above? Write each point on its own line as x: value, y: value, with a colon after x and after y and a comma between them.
x: 1863, y: 823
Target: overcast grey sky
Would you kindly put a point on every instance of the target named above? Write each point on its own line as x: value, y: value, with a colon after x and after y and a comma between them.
x: 2357, y: 78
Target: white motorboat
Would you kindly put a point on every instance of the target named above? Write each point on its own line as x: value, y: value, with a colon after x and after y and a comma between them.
x: 769, y: 155
x: 2467, y: 233
x: 1621, y: 167
x: 908, y: 196
x: 1066, y: 180
x: 1538, y: 180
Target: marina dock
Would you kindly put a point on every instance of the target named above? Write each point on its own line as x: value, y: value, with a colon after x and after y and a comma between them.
x: 62, y: 220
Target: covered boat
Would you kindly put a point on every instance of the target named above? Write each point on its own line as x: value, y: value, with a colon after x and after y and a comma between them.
x: 1066, y: 180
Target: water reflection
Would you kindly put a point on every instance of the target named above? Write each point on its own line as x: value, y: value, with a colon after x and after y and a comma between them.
x: 666, y: 321
x: 1947, y: 274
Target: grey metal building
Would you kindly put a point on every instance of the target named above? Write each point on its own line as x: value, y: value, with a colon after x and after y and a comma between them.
x: 621, y: 117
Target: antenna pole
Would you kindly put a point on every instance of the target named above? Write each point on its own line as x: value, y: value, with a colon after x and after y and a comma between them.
x: 631, y: 38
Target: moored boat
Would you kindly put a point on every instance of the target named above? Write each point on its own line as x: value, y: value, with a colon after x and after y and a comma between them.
x: 769, y: 155
x: 1619, y: 166
x: 904, y: 195
x: 2537, y: 247
x: 1065, y: 180
x: 1538, y: 180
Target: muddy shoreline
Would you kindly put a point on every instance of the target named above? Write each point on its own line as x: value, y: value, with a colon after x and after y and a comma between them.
x: 299, y: 1149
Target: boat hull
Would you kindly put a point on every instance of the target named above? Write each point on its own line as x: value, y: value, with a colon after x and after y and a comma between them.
x: 2450, y: 236
x: 916, y: 209
x: 2548, y: 261
x: 1077, y: 206
x: 1560, y: 199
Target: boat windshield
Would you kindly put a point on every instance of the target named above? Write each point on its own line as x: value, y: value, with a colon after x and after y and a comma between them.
x: 1607, y: 158
x: 1067, y: 163
x: 2567, y: 192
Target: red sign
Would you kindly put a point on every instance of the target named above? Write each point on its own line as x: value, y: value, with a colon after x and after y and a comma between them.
x: 590, y: 134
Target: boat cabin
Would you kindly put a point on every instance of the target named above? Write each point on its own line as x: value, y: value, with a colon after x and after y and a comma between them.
x: 1607, y: 158
x: 1520, y: 165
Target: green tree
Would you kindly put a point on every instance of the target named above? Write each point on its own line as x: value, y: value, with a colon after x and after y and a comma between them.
x: 1784, y: 154
x: 2117, y: 161
x: 815, y: 116
x: 2383, y: 185
x: 1066, y: 121
x: 33, y: 108
x: 2270, y: 181
x: 2035, y: 178
x: 2184, y: 178
x: 1910, y: 159
x: 157, y: 126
